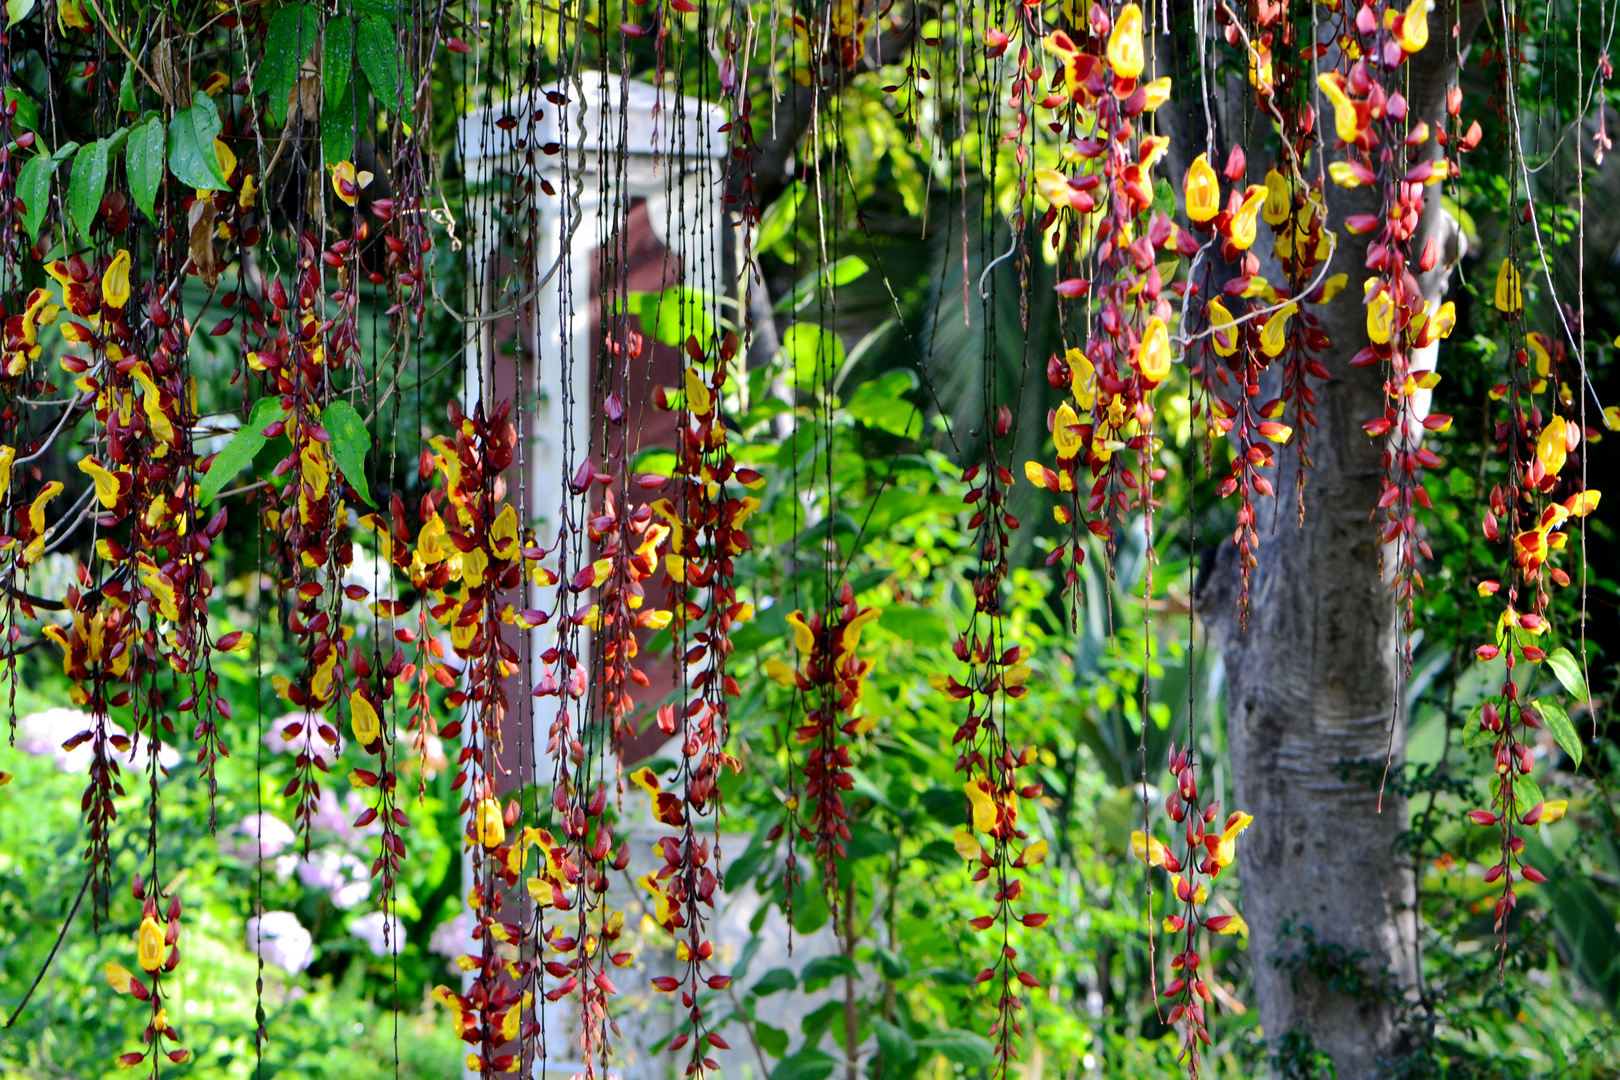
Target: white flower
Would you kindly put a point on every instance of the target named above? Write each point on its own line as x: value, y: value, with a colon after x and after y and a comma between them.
x: 342, y: 875
x: 43, y: 733
x: 275, y: 740
x: 280, y: 939
x: 257, y: 836
x: 372, y: 928
x: 453, y: 937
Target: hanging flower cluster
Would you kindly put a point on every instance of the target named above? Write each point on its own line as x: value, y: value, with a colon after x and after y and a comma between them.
x: 706, y: 534
x: 830, y: 675
x: 158, y: 956
x: 1206, y: 854
x: 1101, y: 221
x: 1528, y: 516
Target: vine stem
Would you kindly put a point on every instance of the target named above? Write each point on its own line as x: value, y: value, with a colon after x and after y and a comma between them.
x: 60, y: 937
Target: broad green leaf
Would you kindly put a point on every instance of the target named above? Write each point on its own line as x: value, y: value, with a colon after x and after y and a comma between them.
x: 64, y: 152
x: 774, y: 1041
x: 27, y: 118
x: 748, y: 863
x: 192, y: 156
x: 963, y: 1047
x: 273, y: 453
x: 380, y: 59
x: 1526, y: 793
x: 143, y: 160
x: 388, y: 9
x: 1568, y: 670
x: 810, y: 910
x: 916, y: 625
x: 893, y: 965
x: 898, y: 1047
x: 337, y: 57
x: 825, y: 969
x: 1473, y: 735
x: 293, y: 31
x: 34, y: 189
x: 337, y: 129
x: 849, y: 268
x: 241, y: 450
x: 1562, y: 728
x: 867, y: 840
x: 18, y: 10
x: 777, y: 223
x: 350, y: 441
x: 128, y: 101
x: 805, y: 1065
x: 773, y: 981
x: 880, y: 403
x: 87, y: 184
x: 815, y: 352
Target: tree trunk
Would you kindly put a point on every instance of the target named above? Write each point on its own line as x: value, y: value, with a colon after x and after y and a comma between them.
x: 1312, y: 685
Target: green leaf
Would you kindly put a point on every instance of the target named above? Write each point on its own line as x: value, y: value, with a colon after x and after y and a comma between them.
x: 774, y: 1041
x: 810, y: 911
x: 805, y: 1065
x: 350, y: 441
x: 1562, y: 728
x: 918, y: 626
x: 824, y: 969
x: 87, y: 184
x: 867, y: 840
x: 815, y: 352
x: 893, y: 964
x: 18, y: 10
x: 1473, y: 735
x: 1526, y: 793
x: 34, y: 189
x: 127, y: 99
x: 388, y: 9
x: 774, y: 981
x: 27, y: 118
x: 241, y: 450
x: 897, y: 1047
x: 849, y: 268
x: 963, y: 1047
x: 143, y: 160
x: 292, y: 34
x: 64, y: 152
x: 265, y: 461
x: 1164, y: 196
x: 192, y: 156
x: 337, y: 58
x: 880, y: 403
x: 748, y: 863
x: 777, y: 223
x: 1568, y: 670
x: 337, y: 129
x: 380, y: 59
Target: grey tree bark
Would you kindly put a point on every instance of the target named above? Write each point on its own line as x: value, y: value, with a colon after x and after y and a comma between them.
x: 1312, y: 681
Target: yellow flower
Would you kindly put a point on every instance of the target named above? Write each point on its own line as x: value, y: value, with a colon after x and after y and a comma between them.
x: 984, y: 807
x: 1148, y: 848
x: 779, y: 673
x: 363, y: 720
x: 1203, y: 190
x: 227, y: 159
x: 1224, y: 337
x: 347, y: 183
x: 1443, y: 321
x: 8, y: 454
x: 1226, y: 850
x: 698, y: 399
x: 1153, y: 358
x: 1052, y: 186
x: 1380, y: 317
x: 1336, y: 284
x: 1243, y: 222
x: 1553, y: 810
x: 1509, y: 292
x: 1158, y: 92
x: 1345, y: 124
x: 503, y: 534
x: 1082, y: 379
x: 1279, y: 202
x: 1414, y: 32
x: 149, y: 944
x: 1235, y: 925
x: 1125, y: 43
x: 119, y: 977
x: 1552, y: 446
x: 106, y: 482
x: 803, y: 639
x: 1275, y: 334
x: 1065, y: 432
x: 115, y: 281
x: 1035, y: 854
x: 966, y: 845
x: 488, y: 823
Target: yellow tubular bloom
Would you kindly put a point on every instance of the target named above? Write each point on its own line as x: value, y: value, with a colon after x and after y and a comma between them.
x: 1203, y: 190
x: 1125, y: 43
